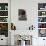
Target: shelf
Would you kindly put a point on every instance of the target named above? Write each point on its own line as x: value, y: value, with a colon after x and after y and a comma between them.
x: 3, y: 16
x: 41, y: 22
x: 3, y: 10
x: 41, y: 28
x: 42, y: 16
x: 41, y: 10
x: 3, y: 22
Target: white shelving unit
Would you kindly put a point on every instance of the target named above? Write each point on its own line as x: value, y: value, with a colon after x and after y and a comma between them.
x: 42, y: 10
x: 3, y: 10
x: 4, y: 17
x: 4, y: 21
x: 42, y: 18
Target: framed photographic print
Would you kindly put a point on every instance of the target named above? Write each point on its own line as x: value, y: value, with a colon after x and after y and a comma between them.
x: 22, y: 14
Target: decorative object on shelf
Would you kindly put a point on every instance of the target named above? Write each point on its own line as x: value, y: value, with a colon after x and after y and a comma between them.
x: 6, y: 7
x: 41, y: 19
x: 31, y: 27
x: 45, y: 7
x: 4, y: 29
x: 22, y: 14
x: 41, y: 25
x: 3, y: 6
x: 3, y: 19
x: 3, y: 13
x: 41, y: 13
x: 13, y: 27
x: 41, y: 6
x: 4, y: 26
x: 42, y: 32
x: 0, y: 7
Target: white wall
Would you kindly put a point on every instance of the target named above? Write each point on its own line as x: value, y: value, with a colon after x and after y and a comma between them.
x: 31, y: 7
